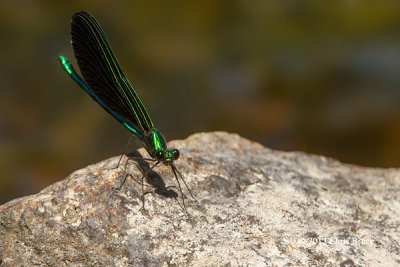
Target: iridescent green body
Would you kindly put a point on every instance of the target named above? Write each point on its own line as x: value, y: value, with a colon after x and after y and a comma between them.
x: 105, y: 82
x: 156, y: 147
x: 154, y: 142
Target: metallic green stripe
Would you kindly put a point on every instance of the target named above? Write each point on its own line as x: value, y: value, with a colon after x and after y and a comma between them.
x: 143, y: 117
x: 72, y: 73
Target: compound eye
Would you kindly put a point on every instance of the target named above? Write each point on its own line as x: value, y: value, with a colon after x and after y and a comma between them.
x: 160, y: 155
x: 175, y: 153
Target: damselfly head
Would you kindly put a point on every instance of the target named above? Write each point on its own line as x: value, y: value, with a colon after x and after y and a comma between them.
x: 167, y: 156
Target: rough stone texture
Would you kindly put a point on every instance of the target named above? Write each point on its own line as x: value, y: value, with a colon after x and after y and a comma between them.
x: 255, y: 206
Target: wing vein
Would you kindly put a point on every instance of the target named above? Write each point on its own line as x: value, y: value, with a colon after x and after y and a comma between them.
x: 102, y: 72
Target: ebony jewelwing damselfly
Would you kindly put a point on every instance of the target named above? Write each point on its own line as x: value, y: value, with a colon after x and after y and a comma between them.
x: 105, y: 82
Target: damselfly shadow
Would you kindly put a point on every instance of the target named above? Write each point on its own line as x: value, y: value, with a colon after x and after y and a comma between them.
x: 149, y: 178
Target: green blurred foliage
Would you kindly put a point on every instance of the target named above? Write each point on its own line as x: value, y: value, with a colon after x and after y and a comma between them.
x: 316, y: 76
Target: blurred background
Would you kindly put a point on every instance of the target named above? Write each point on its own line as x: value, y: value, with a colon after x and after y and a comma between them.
x: 311, y: 76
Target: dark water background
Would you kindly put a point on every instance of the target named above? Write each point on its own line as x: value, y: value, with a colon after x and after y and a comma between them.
x: 295, y: 75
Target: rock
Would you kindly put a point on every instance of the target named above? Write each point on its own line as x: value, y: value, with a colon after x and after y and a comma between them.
x: 255, y: 206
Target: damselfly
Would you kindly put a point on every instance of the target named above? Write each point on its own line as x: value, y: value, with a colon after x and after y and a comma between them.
x: 105, y: 82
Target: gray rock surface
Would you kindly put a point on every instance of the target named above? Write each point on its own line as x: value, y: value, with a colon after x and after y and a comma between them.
x: 255, y: 206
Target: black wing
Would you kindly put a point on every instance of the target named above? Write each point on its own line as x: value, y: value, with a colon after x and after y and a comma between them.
x: 101, y: 71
